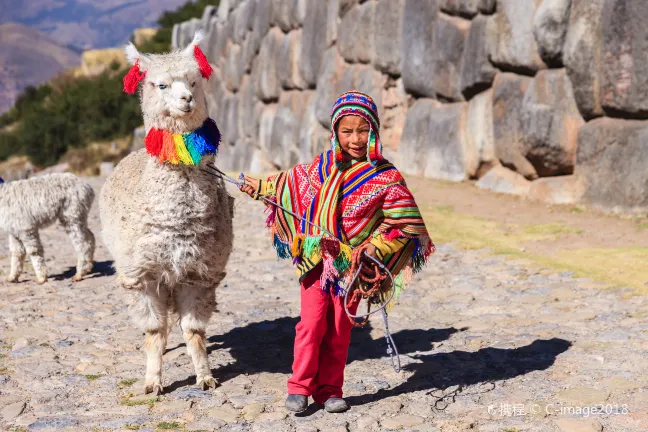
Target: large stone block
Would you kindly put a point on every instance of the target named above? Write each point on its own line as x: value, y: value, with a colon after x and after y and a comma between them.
x: 363, y: 78
x: 328, y: 85
x: 248, y: 11
x: 467, y: 8
x: 215, y: 44
x: 550, y: 123
x: 387, y: 34
x: 355, y: 38
x: 487, y: 7
x: 332, y: 21
x: 313, y: 137
x: 550, y: 28
x: 447, y: 150
x: 233, y: 67
x: 261, y: 25
x: 477, y: 72
x: 514, y: 47
x: 208, y: 13
x: 450, y: 38
x: 248, y: 118
x: 434, y: 141
x: 395, y: 101
x: 230, y: 125
x: 237, y: 156
x: 313, y: 41
x: 288, y: 62
x: 416, y: 137
x: 186, y: 32
x: 612, y: 158
x: 346, y: 5
x: 223, y: 10
x: 248, y: 54
x: 479, y: 134
x: 282, y: 14
x: 502, y: 180
x: 268, y: 88
x: 624, y: 83
x: 284, y: 144
x: 582, y: 55
x: 557, y: 190
x: 266, y: 123
x: 417, y: 46
x: 299, y: 11
x: 508, y: 95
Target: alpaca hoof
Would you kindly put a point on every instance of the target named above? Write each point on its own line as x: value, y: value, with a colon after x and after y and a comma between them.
x: 41, y: 281
x: 12, y: 279
x: 208, y: 383
x: 77, y: 278
x: 155, y: 389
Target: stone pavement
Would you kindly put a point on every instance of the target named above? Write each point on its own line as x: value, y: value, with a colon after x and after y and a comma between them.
x: 486, y: 344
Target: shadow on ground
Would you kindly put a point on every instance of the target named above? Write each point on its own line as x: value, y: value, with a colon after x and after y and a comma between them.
x: 267, y: 346
x: 460, y: 368
x: 99, y: 269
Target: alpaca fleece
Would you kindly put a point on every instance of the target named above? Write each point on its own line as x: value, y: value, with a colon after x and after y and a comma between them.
x: 29, y: 205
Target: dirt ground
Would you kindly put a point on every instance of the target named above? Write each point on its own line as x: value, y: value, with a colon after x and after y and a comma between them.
x: 527, y: 319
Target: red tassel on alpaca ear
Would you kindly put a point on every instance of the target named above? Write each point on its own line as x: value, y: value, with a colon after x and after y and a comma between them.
x: 203, y: 64
x: 133, y: 78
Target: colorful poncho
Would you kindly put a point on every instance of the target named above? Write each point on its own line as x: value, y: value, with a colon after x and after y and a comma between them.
x: 357, y: 204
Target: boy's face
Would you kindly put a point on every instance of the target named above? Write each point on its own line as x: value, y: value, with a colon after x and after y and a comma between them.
x: 353, y: 135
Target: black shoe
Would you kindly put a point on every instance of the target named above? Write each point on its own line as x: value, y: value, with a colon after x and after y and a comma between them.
x: 335, y: 405
x: 297, y: 403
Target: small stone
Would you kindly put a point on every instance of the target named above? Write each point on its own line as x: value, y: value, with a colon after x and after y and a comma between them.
x: 579, y: 425
x: 224, y: 413
x: 401, y: 420
x: 252, y: 411
x: 177, y: 405
x: 12, y: 411
x: 584, y: 395
x: 272, y: 416
x: 367, y: 423
x: 20, y: 344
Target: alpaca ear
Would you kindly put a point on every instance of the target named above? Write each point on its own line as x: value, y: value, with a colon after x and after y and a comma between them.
x: 137, y: 72
x: 132, y: 55
x: 194, y: 50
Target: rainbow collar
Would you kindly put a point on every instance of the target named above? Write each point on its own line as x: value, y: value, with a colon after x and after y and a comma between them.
x: 186, y: 149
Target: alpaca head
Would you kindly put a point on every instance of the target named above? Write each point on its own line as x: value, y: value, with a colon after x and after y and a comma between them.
x: 172, y: 92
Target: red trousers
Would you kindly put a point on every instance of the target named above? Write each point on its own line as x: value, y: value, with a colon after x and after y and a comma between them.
x: 321, y: 343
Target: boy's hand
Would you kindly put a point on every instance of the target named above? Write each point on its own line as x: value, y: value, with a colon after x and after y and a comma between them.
x: 251, y: 186
x: 368, y: 268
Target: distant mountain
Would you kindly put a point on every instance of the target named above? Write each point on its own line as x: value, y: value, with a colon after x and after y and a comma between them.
x: 28, y: 57
x: 85, y: 24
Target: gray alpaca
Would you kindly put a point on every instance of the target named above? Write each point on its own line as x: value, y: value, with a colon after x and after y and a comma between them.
x: 169, y: 227
x: 29, y: 205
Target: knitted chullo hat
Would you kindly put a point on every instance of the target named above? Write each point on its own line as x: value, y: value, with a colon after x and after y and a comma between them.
x: 359, y: 104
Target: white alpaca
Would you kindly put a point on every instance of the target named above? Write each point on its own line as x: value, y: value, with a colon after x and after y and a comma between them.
x: 29, y: 205
x: 169, y: 226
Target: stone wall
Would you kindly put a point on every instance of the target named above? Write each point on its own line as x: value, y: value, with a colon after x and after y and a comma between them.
x: 542, y: 98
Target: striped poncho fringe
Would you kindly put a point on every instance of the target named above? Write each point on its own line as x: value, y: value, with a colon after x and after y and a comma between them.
x: 368, y: 213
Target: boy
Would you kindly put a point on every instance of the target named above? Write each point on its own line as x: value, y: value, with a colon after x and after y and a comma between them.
x: 360, y: 204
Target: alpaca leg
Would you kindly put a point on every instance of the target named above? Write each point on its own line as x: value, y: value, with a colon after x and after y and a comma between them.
x: 84, y: 244
x: 149, y: 309
x: 195, y: 303
x: 17, y: 258
x: 34, y: 248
